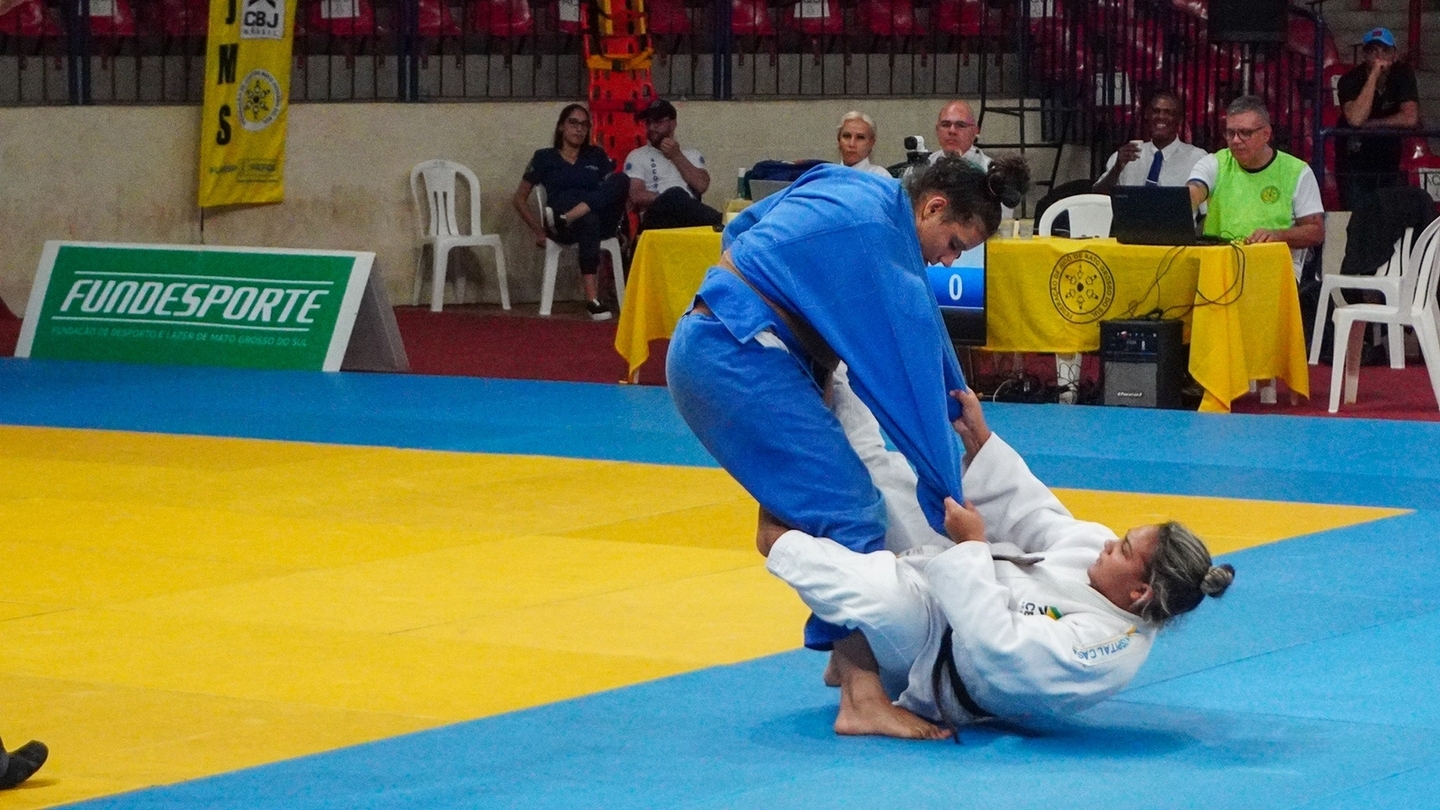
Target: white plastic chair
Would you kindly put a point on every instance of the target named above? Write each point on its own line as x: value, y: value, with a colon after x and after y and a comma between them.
x: 1386, y: 281
x: 1090, y: 215
x: 1415, y: 308
x: 552, y: 260
x: 443, y: 234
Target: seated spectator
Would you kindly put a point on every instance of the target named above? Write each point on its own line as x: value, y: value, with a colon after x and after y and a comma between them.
x: 956, y: 130
x: 1256, y: 193
x: 856, y: 138
x: 580, y: 182
x: 22, y: 763
x: 1380, y: 92
x: 1163, y: 160
x: 666, y: 181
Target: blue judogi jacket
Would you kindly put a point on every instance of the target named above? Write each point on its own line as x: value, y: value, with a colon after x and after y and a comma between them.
x: 839, y: 249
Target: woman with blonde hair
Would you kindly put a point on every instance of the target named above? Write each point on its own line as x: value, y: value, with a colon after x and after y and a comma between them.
x: 856, y: 137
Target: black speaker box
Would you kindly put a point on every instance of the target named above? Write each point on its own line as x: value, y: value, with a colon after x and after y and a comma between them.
x: 1247, y: 20
x: 1142, y: 363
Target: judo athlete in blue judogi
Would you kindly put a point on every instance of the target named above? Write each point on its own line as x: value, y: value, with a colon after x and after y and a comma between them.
x: 833, y: 267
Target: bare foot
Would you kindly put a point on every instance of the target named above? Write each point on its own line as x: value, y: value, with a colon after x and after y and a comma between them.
x: 832, y: 673
x: 885, y: 719
x: 865, y: 708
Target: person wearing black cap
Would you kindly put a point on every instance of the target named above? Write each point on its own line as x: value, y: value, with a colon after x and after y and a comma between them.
x: 1379, y: 92
x: 667, y: 181
x: 22, y: 763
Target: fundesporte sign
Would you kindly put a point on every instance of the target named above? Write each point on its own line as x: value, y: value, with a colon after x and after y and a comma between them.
x: 194, y: 305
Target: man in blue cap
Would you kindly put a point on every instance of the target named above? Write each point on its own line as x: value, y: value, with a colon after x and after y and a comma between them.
x: 1378, y: 93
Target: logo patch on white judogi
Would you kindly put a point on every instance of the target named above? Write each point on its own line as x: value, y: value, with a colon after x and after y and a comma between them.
x: 1105, y: 649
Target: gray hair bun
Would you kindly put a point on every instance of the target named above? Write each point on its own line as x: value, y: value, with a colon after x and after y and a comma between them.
x: 1217, y: 580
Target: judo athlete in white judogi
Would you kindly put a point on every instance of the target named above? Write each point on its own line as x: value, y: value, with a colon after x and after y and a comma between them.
x: 1030, y: 615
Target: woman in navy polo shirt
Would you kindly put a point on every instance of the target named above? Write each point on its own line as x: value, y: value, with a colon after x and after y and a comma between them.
x: 585, y: 195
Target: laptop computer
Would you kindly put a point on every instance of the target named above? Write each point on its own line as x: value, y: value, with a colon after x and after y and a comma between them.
x: 1155, y: 215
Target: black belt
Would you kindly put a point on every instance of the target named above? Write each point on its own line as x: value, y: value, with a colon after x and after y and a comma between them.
x: 945, y: 663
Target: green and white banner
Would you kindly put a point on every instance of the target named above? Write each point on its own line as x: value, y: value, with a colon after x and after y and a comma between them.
x: 193, y: 305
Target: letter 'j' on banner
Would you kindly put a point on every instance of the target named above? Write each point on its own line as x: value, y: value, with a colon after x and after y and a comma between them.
x: 247, y: 97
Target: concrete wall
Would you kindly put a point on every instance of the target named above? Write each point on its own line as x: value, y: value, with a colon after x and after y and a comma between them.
x: 128, y: 174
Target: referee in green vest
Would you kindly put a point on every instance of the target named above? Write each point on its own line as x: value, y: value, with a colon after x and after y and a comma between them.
x: 1257, y: 194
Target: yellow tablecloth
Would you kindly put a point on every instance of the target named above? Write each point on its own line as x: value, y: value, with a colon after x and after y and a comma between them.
x: 1240, y: 307
x: 664, y: 275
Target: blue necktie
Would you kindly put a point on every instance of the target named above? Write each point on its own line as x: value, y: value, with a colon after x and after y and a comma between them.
x: 1154, y: 177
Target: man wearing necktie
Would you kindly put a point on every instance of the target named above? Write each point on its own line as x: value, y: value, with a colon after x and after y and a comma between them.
x: 1163, y: 160
x: 1153, y: 179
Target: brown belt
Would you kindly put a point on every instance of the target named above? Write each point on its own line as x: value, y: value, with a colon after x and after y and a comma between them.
x: 810, y: 340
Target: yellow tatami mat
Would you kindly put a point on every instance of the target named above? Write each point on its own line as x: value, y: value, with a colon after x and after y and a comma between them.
x: 173, y: 607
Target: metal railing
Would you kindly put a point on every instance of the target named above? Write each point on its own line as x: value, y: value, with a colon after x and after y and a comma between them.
x: 1099, y: 61
x: 152, y: 51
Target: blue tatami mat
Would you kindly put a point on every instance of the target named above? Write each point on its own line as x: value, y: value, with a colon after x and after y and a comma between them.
x: 758, y: 735
x: 1343, y: 461
x: 1311, y: 685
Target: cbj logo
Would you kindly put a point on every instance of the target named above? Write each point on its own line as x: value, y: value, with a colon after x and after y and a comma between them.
x: 263, y: 19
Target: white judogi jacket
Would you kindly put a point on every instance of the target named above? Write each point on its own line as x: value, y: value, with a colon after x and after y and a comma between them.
x: 1032, y: 640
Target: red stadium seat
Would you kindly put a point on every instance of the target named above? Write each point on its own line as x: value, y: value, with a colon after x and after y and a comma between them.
x: 668, y: 22
x: 32, y: 20
x: 1199, y: 9
x: 186, y: 18
x: 1423, y: 167
x: 566, y: 14
x: 750, y: 18
x: 342, y: 18
x: 1054, y: 42
x: 819, y: 23
x: 1300, y: 38
x: 111, y: 19
x: 815, y: 18
x: 668, y: 18
x: 509, y: 21
x: 957, y: 18
x: 1145, y: 43
x: 889, y: 18
x: 434, y: 20
x: 750, y: 23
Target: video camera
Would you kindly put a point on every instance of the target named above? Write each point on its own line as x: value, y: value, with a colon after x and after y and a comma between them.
x: 915, y: 151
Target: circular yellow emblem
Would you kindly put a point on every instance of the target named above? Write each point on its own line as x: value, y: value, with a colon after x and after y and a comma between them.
x: 1082, y: 287
x: 1270, y: 195
x: 258, y: 100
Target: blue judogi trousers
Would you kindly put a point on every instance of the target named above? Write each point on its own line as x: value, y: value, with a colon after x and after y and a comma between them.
x: 759, y: 411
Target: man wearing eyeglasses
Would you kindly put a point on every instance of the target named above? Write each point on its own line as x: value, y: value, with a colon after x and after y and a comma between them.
x: 1256, y: 193
x: 1379, y: 92
x: 956, y: 130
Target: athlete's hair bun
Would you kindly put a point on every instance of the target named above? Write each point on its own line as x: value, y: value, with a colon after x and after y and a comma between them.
x: 1007, y: 181
x: 1217, y: 579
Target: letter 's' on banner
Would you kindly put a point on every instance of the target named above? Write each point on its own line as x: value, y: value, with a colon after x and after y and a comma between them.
x: 247, y: 99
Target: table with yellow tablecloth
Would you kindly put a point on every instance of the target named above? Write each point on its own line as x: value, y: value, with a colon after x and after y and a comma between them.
x: 1240, y: 305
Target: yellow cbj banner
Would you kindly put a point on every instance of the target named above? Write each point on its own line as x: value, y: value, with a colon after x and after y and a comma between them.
x: 247, y: 93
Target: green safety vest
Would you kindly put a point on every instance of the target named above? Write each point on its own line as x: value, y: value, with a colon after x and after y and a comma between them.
x: 1244, y: 201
